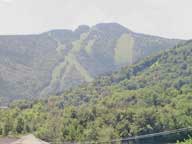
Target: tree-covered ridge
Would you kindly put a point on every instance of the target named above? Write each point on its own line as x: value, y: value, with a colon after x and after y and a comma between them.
x: 169, y: 69
x: 151, y: 96
x: 45, y: 64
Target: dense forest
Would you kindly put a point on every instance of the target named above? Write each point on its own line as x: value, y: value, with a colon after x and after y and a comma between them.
x: 51, y: 62
x: 151, y: 96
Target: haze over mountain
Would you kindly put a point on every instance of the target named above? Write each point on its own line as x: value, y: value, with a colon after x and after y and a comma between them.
x: 51, y: 62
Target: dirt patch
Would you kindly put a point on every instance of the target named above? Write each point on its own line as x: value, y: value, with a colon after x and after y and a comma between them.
x: 7, y: 140
x: 29, y: 139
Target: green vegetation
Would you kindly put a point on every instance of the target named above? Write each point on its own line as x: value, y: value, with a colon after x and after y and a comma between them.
x: 186, y: 142
x: 77, y: 45
x: 89, y: 46
x: 124, y: 50
x: 151, y: 96
x: 34, y: 66
x: 69, y: 64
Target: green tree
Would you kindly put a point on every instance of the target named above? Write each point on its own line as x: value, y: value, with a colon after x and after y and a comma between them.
x: 19, y: 125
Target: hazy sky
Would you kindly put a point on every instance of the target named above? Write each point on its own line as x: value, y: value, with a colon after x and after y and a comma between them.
x: 168, y: 18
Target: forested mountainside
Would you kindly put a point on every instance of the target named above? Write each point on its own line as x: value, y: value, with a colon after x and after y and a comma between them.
x: 151, y: 96
x: 33, y: 66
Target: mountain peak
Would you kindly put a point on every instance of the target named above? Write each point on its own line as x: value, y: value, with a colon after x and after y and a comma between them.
x: 85, y: 28
x: 111, y: 26
x: 82, y: 28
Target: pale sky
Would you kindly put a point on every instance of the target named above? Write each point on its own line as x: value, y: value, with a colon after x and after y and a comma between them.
x: 167, y: 18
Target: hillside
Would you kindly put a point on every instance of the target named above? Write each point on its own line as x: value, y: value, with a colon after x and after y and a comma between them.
x: 150, y: 96
x: 48, y: 63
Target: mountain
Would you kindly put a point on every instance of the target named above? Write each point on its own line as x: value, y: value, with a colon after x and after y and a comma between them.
x: 163, y: 73
x: 151, y: 96
x: 51, y: 62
